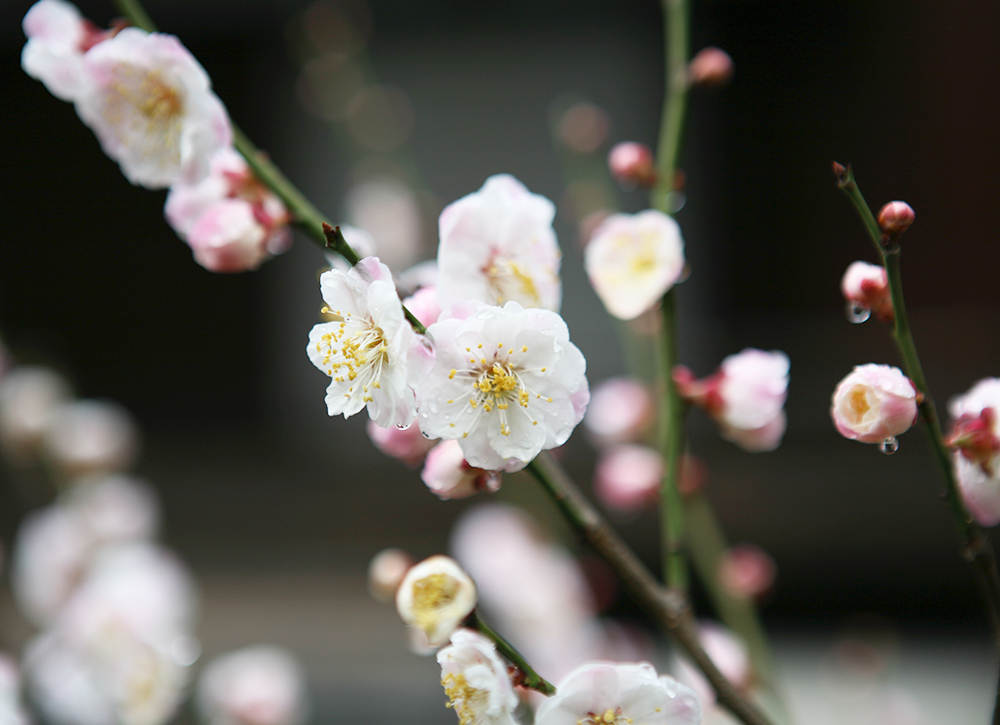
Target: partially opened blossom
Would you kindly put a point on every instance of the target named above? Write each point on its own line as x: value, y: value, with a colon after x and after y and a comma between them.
x: 448, y: 475
x: 867, y: 287
x: 151, y: 105
x: 365, y: 350
x: 435, y: 597
x: 746, y: 397
x: 498, y: 245
x: 507, y: 383
x: 975, y: 437
x: 476, y: 681
x: 258, y: 685
x: 633, y: 259
x: 619, y: 694
x: 874, y: 403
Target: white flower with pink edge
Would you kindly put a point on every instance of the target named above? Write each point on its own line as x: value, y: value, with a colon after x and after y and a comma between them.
x: 449, y: 476
x: 151, y: 105
x: 507, y: 384
x: 633, y: 259
x: 619, y: 694
x: 498, y: 245
x: 476, y: 680
x: 874, y: 403
x: 365, y: 350
x: 975, y: 436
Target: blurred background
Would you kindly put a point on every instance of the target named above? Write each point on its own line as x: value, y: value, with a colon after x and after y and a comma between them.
x: 278, y: 508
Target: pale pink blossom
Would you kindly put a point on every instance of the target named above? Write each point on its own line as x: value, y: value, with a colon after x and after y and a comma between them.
x: 867, y: 286
x: 386, y: 571
x: 620, y: 411
x: 476, y: 682
x: 498, y: 245
x: 747, y: 571
x: 28, y: 396
x: 227, y: 238
x: 404, y: 444
x: 449, y: 476
x: 507, y: 383
x: 365, y: 351
x: 58, y: 36
x: 874, y: 403
x: 91, y: 436
x: 746, y: 397
x: 258, y: 685
x: 424, y: 305
x: 619, y: 694
x: 727, y: 652
x: 627, y: 477
x: 151, y: 106
x: 633, y: 259
x: 975, y: 437
x: 435, y: 597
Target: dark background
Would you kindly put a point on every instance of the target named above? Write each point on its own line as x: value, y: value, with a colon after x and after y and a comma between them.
x: 261, y: 489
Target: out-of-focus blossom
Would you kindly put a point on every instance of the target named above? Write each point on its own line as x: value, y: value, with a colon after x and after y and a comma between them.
x: 619, y: 694
x: 365, y: 350
x: 583, y: 127
x: 627, y: 477
x: 424, y: 305
x: 632, y: 164
x: 874, y: 403
x: 746, y: 397
x: 476, y: 681
x: 507, y: 383
x: 448, y: 475
x: 151, y: 106
x: 747, y: 571
x: 12, y: 712
x: 114, y: 509
x: 28, y: 395
x: 435, y: 596
x: 633, y: 259
x: 866, y: 286
x: 727, y: 652
x: 620, y: 411
x: 423, y: 274
x: 260, y: 685
x: 58, y: 36
x: 91, y: 436
x: 385, y: 573
x: 498, y: 245
x: 404, y: 444
x: 894, y: 219
x: 231, y: 221
x: 710, y: 67
x: 389, y: 211
x: 975, y: 436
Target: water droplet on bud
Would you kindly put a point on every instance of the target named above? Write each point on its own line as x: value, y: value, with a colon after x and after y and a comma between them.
x: 857, y: 313
x: 889, y: 446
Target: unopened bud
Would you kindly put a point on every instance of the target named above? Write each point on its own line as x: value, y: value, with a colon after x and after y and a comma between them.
x: 710, y: 67
x: 386, y: 571
x: 632, y: 164
x: 895, y: 218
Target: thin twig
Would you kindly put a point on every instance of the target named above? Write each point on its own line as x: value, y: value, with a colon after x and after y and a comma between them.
x: 528, y: 677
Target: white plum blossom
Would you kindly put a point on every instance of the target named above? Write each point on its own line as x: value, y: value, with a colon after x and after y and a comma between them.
x: 633, y: 259
x: 476, y: 681
x: 874, y: 403
x: 258, y: 685
x: 619, y: 694
x: 58, y: 36
x: 497, y: 245
x: 434, y: 597
x: 28, y: 396
x: 366, y: 348
x: 151, y: 105
x: 975, y: 436
x: 507, y: 383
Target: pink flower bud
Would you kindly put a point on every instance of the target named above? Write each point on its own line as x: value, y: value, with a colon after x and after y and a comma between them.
x: 620, y: 411
x: 867, y: 285
x: 974, y: 437
x: 409, y: 445
x: 895, y: 218
x: 632, y: 164
x: 386, y: 571
x: 710, y: 67
x: 228, y: 238
x: 628, y: 476
x: 873, y: 403
x: 747, y: 571
x: 424, y: 305
x: 447, y: 474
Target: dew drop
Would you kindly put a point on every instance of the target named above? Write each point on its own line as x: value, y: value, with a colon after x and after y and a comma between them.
x: 857, y: 313
x: 675, y: 201
x: 492, y: 481
x: 889, y: 446
x: 402, y: 427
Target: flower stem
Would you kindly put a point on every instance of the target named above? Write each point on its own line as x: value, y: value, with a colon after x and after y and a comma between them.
x: 668, y: 608
x: 976, y: 548
x: 675, y: 18
x: 530, y: 678
x: 136, y: 14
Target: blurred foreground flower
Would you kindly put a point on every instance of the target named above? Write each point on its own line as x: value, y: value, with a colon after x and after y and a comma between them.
x: 476, y: 681
x: 620, y: 411
x: 260, y: 685
x: 975, y: 436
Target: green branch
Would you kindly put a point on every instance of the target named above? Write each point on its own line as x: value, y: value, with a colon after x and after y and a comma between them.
x: 529, y: 678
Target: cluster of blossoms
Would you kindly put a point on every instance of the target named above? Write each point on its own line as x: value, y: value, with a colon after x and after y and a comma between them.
x: 151, y: 106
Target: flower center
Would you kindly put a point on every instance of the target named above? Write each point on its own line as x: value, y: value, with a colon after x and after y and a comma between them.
x: 608, y: 717
x: 355, y: 350
x: 858, y: 402
x: 431, y: 594
x: 509, y: 281
x: 465, y: 699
